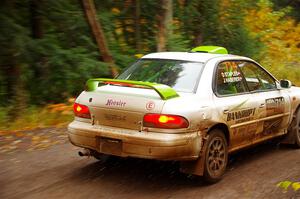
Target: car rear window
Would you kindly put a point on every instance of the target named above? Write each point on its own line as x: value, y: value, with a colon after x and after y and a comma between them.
x: 180, y: 75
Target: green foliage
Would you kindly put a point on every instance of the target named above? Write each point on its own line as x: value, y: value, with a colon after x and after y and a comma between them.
x: 177, y: 41
x: 54, y: 65
x: 294, y: 5
x: 34, y: 117
x: 219, y: 23
x: 235, y: 35
x: 280, y: 35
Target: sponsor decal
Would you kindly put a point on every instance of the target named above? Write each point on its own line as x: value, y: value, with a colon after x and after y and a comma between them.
x: 272, y: 126
x: 231, y: 73
x: 241, y: 115
x: 239, y: 106
x: 229, y: 77
x: 244, y: 134
x: 150, y: 105
x: 274, y: 102
x: 111, y: 102
x: 275, y: 105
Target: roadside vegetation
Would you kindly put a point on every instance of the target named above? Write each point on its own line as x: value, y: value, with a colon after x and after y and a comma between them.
x: 50, y: 48
x: 53, y: 115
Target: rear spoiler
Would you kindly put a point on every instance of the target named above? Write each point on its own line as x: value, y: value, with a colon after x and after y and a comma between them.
x: 164, y: 91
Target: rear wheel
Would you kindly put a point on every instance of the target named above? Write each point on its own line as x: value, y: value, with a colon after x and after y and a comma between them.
x: 216, y: 157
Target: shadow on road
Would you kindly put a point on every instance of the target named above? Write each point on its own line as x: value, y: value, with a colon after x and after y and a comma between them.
x: 149, y: 175
x: 251, y: 173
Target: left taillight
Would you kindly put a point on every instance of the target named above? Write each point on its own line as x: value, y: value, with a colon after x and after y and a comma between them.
x: 81, y: 111
x: 165, y: 121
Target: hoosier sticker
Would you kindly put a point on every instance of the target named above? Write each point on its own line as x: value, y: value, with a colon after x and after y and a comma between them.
x: 111, y: 102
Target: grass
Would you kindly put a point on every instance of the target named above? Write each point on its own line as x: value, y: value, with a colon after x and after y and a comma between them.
x: 58, y: 115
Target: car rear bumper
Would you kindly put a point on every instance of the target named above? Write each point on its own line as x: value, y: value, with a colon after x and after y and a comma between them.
x: 125, y: 142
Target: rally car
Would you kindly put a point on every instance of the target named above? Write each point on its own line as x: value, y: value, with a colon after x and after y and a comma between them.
x: 195, y: 107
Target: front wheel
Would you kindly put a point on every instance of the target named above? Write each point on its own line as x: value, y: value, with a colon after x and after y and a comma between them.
x: 295, y: 129
x: 216, y: 156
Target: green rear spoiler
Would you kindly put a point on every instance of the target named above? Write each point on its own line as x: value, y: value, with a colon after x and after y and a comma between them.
x: 164, y: 91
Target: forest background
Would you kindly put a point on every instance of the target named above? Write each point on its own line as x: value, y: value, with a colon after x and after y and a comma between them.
x: 50, y: 48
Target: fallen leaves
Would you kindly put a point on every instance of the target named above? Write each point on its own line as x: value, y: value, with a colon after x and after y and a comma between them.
x: 30, y: 132
x: 38, y: 139
x: 285, y: 185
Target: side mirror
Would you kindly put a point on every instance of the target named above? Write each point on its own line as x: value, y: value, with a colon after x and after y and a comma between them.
x: 284, y: 83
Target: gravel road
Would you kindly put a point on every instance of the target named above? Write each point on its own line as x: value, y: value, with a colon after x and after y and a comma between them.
x: 56, y: 171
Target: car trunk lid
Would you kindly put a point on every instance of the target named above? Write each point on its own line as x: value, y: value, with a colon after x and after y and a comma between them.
x: 119, y: 106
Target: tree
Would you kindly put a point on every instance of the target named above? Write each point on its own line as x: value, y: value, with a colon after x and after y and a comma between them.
x: 96, y: 28
x: 36, y: 18
x: 280, y: 35
x: 137, y: 26
x: 13, y: 39
x: 164, y: 25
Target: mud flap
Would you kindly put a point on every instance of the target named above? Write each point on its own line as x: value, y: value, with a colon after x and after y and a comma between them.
x: 195, y: 167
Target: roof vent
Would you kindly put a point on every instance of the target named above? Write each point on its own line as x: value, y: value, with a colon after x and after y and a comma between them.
x: 210, y: 49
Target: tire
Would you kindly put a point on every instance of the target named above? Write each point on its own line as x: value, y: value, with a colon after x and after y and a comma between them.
x: 216, y: 157
x: 295, y: 130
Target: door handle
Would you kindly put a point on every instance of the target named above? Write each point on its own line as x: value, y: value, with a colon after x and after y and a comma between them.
x: 262, y: 105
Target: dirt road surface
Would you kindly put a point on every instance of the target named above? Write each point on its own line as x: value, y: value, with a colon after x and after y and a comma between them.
x: 31, y: 170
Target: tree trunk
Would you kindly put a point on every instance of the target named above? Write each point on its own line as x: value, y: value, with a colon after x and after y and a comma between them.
x: 164, y: 25
x: 36, y: 19
x: 137, y: 26
x: 96, y: 28
x: 11, y: 70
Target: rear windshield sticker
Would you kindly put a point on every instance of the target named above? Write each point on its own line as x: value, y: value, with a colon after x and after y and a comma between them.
x: 231, y: 73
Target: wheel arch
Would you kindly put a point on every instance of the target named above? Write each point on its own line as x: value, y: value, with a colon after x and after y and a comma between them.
x: 293, y: 114
x: 197, y: 167
x: 296, y: 109
x: 224, y: 128
x: 289, y: 137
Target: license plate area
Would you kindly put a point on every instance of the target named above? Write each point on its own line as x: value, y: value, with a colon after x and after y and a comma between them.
x: 117, y: 118
x: 110, y: 146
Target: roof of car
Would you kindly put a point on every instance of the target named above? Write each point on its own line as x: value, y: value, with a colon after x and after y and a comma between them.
x: 189, y: 56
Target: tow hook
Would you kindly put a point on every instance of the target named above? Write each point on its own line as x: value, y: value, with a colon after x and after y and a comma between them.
x: 85, y: 152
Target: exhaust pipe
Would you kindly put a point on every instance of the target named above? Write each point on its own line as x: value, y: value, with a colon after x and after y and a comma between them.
x: 85, y: 152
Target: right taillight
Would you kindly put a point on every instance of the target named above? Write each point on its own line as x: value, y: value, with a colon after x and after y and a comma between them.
x: 165, y: 121
x: 81, y: 111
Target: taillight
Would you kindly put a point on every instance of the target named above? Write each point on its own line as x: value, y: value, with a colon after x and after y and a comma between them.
x: 81, y: 111
x: 165, y: 121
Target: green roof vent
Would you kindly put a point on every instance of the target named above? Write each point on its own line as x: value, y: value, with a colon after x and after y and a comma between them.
x: 210, y: 49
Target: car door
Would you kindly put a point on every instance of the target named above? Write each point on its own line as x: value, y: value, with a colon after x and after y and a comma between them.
x: 235, y: 105
x: 274, y: 103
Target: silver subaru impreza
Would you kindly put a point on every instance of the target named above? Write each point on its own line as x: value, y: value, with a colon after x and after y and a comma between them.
x: 195, y: 107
